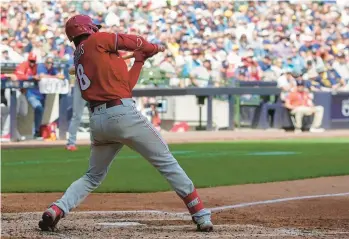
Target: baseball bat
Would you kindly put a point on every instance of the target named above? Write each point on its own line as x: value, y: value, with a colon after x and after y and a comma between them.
x: 126, y: 57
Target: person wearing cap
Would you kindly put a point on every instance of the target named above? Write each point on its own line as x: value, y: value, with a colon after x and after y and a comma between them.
x: 269, y: 71
x: 330, y: 78
x: 167, y: 65
x: 300, y: 104
x: 341, y: 65
x: 35, y: 98
x: 326, y: 79
x: 203, y: 76
x: 193, y: 63
x: 99, y: 20
x: 234, y: 57
x: 27, y: 70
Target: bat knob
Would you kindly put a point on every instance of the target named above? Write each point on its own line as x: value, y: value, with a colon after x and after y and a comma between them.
x: 72, y: 71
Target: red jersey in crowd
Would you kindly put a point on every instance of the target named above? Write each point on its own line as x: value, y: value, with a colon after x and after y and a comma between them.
x: 24, y: 70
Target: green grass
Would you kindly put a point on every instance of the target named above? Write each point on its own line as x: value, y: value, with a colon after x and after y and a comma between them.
x: 207, y: 164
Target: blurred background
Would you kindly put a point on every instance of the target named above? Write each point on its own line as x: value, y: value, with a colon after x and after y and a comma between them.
x: 210, y: 43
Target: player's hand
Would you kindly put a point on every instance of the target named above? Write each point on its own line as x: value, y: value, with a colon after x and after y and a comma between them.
x: 139, y: 56
x: 158, y: 48
x: 161, y: 48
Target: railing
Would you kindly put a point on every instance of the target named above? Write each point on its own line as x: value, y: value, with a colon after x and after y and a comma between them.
x: 207, y: 93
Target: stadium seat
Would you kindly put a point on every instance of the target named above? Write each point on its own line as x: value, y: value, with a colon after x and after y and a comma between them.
x: 261, y: 115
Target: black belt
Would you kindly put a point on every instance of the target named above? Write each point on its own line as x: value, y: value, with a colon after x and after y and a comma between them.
x: 109, y: 104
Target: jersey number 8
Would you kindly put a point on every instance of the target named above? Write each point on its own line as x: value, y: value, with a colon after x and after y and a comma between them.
x: 83, y: 79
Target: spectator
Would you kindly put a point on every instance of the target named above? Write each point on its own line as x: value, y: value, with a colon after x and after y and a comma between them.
x: 286, y: 82
x: 243, y: 44
x: 192, y: 62
x: 330, y: 79
x: 168, y: 66
x: 25, y: 71
x: 300, y: 104
x: 323, y: 79
x: 35, y: 98
x: 298, y: 62
x: 313, y: 83
x: 249, y: 70
x: 203, y: 76
x: 5, y: 56
x: 292, y: 32
x: 233, y: 57
x: 270, y: 73
x: 341, y: 66
x: 28, y: 69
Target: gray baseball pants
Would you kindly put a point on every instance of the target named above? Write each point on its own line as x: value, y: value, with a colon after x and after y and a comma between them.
x: 111, y: 129
x: 78, y: 107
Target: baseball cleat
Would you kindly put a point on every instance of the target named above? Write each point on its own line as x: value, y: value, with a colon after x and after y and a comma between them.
x: 50, y: 218
x: 206, y: 226
x: 71, y: 147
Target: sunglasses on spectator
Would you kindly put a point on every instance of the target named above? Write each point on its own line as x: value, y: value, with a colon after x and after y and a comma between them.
x: 49, y: 62
x: 32, y: 62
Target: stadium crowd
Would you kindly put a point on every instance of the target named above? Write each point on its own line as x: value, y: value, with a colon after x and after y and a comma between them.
x: 210, y: 43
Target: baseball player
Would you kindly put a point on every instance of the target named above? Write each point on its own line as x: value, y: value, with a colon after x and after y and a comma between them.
x: 106, y: 85
x: 78, y: 108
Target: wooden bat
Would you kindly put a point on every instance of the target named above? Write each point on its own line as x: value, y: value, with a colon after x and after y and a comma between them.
x: 126, y: 57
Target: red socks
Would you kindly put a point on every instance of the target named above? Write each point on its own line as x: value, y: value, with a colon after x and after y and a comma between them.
x: 193, y: 202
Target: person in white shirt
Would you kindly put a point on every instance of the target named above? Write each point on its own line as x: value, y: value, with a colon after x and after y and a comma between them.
x: 203, y: 76
x: 286, y: 82
x: 168, y: 66
x: 342, y: 67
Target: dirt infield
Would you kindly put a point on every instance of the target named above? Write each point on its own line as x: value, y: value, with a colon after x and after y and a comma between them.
x: 200, y: 136
x: 162, y: 215
x: 311, y: 208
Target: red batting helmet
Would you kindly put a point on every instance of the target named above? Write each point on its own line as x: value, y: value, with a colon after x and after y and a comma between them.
x: 32, y: 56
x: 80, y: 25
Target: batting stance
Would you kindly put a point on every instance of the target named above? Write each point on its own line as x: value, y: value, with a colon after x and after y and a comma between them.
x: 106, y: 84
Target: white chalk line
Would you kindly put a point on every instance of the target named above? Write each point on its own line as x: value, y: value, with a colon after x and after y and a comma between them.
x: 130, y: 212
x: 214, y: 209
x: 240, y: 205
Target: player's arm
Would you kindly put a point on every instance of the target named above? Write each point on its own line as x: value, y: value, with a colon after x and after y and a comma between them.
x: 112, y: 42
x: 135, y: 70
x: 129, y: 42
x: 59, y: 76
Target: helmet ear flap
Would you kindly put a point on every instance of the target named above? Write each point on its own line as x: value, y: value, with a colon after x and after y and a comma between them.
x: 95, y: 29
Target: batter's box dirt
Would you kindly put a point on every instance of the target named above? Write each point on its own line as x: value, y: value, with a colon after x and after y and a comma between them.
x: 325, y: 216
x: 145, y: 225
